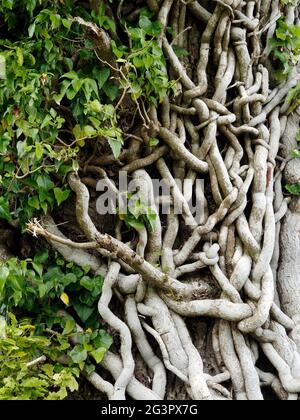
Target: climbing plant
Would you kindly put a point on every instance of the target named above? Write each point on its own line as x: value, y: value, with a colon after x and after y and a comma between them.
x: 57, y: 102
x: 46, y: 288
x: 180, y: 283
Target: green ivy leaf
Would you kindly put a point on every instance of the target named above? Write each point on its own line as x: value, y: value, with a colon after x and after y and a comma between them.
x: 4, y: 209
x: 294, y: 189
x: 33, y: 383
x: 43, y: 290
x: 4, y: 273
x: 20, y: 56
x: 44, y: 182
x: 103, y: 339
x: 61, y: 195
x: 179, y: 51
x: 111, y: 90
x: 39, y: 151
x: 70, y: 326
x: 34, y: 202
x: 83, y: 311
x: 87, y: 283
x: 8, y: 4
x: 31, y: 30
x: 89, y: 131
x: 150, y: 28
x: 134, y: 223
x: 89, y: 369
x: 99, y: 354
x: 67, y: 23
x: 72, y: 75
x: 38, y: 268
x: 41, y: 257
x: 76, y: 85
x: 77, y: 131
x: 116, y: 147
x: 153, y: 142
x: 102, y: 76
x: 78, y: 354
x: 95, y: 106
x: 295, y: 153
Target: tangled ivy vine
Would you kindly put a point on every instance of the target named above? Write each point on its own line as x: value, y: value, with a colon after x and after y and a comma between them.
x: 143, y: 303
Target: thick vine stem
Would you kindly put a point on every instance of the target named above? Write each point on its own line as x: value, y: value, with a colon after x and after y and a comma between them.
x: 174, y: 143
x: 101, y: 385
x: 135, y: 389
x: 200, y: 12
x: 154, y: 363
x: 126, y: 342
x: 232, y: 312
x: 231, y: 360
x: 190, y: 245
x: 197, y: 380
x: 165, y: 327
x: 252, y: 384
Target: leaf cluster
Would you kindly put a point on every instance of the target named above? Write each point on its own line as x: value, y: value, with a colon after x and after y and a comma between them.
x: 138, y: 214
x: 286, y: 47
x: 55, y: 294
x: 143, y: 63
x: 294, y: 189
x: 19, y: 347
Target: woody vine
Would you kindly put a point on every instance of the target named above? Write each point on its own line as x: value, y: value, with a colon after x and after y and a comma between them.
x: 142, y: 304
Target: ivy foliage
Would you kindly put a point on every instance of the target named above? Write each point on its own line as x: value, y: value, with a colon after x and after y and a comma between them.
x: 19, y: 347
x: 55, y: 294
x: 34, y: 283
x: 294, y: 98
x: 286, y: 50
x: 294, y: 189
x: 54, y: 96
x: 57, y: 99
x: 289, y: 2
x: 143, y: 63
x: 25, y: 376
x: 138, y: 213
x: 286, y: 47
